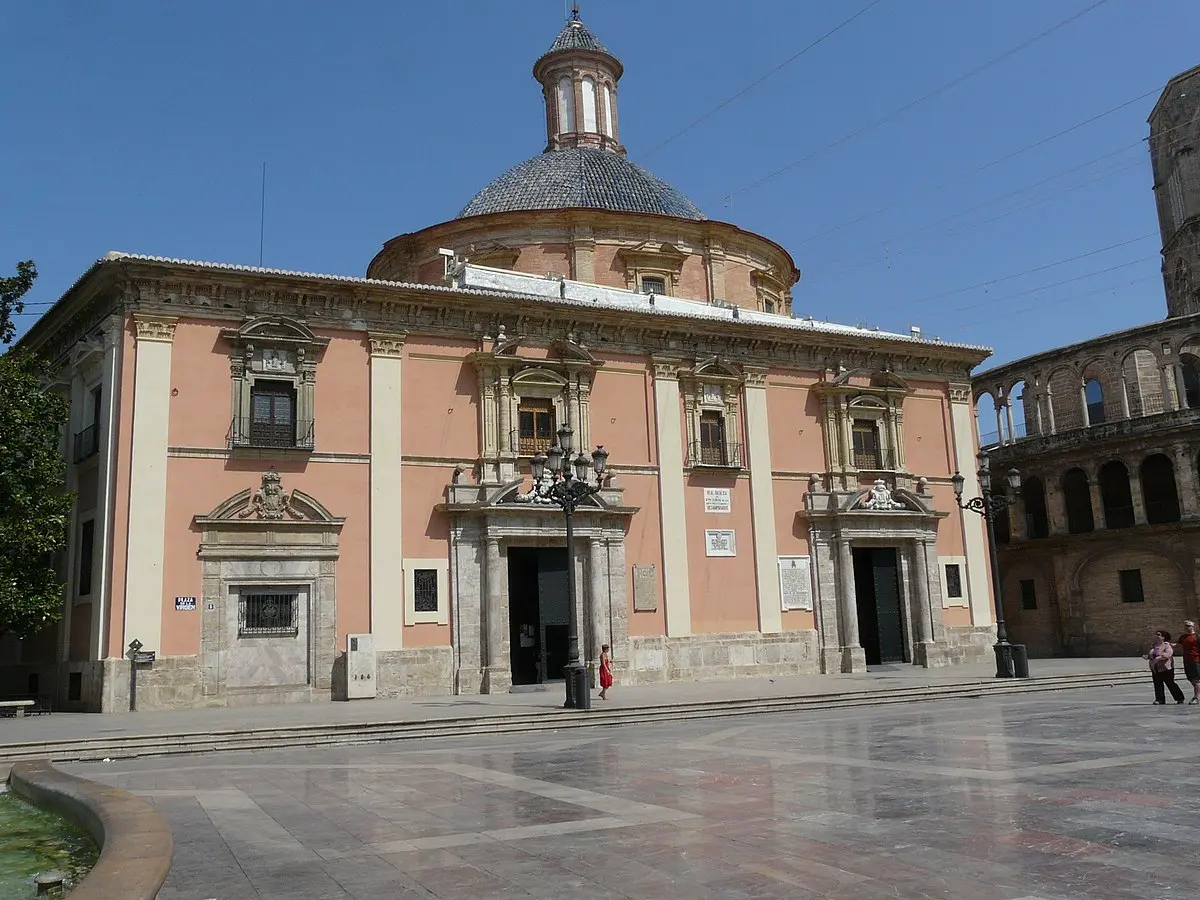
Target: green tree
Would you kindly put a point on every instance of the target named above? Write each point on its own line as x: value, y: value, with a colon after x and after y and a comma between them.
x: 34, y: 509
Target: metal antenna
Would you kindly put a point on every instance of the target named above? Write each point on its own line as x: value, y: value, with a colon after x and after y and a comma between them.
x: 262, y: 215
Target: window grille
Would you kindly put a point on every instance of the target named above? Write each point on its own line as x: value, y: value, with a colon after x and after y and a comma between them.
x: 1028, y: 594
x: 268, y: 614
x: 425, y: 590
x: 954, y: 581
x: 651, y: 285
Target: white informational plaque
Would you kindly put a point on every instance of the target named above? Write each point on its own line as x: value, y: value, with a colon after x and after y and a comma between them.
x: 720, y: 542
x: 795, y: 582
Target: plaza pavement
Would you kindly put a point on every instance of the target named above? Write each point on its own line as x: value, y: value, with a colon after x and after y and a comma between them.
x: 880, y: 680
x: 1047, y: 796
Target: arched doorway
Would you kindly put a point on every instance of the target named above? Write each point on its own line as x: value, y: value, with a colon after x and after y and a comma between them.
x: 1158, y: 489
x: 1115, y: 495
x: 1077, y: 497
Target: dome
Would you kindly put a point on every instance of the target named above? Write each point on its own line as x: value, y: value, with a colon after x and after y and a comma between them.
x: 581, y: 177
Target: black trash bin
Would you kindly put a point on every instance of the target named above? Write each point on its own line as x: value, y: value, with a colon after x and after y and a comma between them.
x: 1020, y: 661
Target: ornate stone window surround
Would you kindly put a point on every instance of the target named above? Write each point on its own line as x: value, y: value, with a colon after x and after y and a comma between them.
x: 505, y: 379
x: 881, y: 403
x: 713, y: 386
x: 771, y: 291
x: 652, y: 260
x: 273, y: 349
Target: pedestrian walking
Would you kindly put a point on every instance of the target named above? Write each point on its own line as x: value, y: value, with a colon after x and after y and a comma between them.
x: 606, y: 679
x: 1189, y: 648
x: 1162, y: 668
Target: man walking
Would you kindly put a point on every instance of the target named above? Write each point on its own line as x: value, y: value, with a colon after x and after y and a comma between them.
x: 1189, y: 649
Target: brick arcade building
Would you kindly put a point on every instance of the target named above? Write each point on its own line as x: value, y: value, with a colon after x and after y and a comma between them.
x: 1102, y: 548
x: 282, y: 474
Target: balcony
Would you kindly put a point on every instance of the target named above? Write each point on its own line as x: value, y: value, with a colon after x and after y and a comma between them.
x: 714, y: 456
x: 87, y: 443
x: 874, y: 460
x: 248, y: 434
x: 1027, y: 445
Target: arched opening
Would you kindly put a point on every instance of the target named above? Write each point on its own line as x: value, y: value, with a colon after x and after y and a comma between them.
x: 1077, y: 497
x: 588, y: 90
x: 1115, y: 495
x: 1001, y: 524
x: 1094, y: 397
x: 1158, y: 489
x: 986, y: 422
x: 566, y: 105
x: 1020, y: 417
x: 1033, y: 496
x: 1190, y: 367
x: 608, y: 111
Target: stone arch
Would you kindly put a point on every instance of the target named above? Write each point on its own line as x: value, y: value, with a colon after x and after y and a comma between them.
x: 986, y: 423
x: 1033, y: 500
x: 1020, y: 401
x: 1115, y: 494
x: 1077, y: 498
x: 1159, y: 490
x: 1099, y: 391
x: 1143, y: 382
x: 1189, y: 368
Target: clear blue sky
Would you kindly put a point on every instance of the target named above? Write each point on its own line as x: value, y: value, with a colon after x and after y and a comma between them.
x: 143, y: 126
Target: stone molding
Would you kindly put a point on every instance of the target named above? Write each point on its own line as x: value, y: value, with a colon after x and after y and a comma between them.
x: 154, y: 328
x: 135, y: 842
x: 387, y: 345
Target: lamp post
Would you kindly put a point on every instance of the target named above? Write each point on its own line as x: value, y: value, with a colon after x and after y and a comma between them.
x: 989, y: 505
x: 568, y: 488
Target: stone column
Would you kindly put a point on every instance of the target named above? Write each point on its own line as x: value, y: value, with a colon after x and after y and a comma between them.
x: 1186, y: 482
x: 1008, y: 415
x: 1083, y: 404
x: 597, y: 600
x: 386, y: 540
x: 1040, y: 399
x: 497, y: 677
x: 505, y: 438
x: 853, y: 657
x: 999, y: 426
x: 1124, y: 396
x: 148, y: 481
x: 1170, y: 400
x: 762, y: 503
x: 1135, y: 489
x: 1097, y: 501
x: 922, y: 614
x: 669, y: 439
x: 1056, y: 508
x: 1050, y: 410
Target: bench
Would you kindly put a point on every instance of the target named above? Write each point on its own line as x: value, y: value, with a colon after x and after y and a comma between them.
x: 15, y: 707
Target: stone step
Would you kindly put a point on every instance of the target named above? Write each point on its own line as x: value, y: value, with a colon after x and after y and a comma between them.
x: 131, y: 746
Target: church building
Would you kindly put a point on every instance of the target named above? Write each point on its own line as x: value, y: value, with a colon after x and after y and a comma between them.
x: 294, y: 487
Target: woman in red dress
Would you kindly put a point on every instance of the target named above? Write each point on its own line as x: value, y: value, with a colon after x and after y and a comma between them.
x: 606, y: 679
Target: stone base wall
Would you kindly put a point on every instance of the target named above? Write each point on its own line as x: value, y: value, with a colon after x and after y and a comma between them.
x: 415, y: 672
x: 963, y: 646
x: 717, y: 657
x: 174, y: 682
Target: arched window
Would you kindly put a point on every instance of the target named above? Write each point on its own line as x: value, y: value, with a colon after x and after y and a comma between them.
x: 1094, y: 394
x: 1191, y: 382
x: 566, y: 105
x: 1033, y: 495
x: 1158, y: 489
x: 1115, y: 495
x: 1077, y: 497
x: 589, y: 104
x: 608, y: 108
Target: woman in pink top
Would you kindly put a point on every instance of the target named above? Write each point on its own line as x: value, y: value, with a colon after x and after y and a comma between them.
x: 1162, y: 668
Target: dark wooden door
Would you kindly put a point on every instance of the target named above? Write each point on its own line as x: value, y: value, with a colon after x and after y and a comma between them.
x: 885, y: 573
x: 554, y: 610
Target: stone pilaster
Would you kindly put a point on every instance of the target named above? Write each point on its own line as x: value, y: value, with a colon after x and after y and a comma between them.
x: 853, y: 657
x: 677, y: 596
x: 387, y: 544
x: 497, y: 677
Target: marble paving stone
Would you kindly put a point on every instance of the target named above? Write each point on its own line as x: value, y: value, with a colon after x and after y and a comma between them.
x: 1039, y: 797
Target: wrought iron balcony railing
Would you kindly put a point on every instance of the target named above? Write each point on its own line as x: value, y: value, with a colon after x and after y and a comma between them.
x: 874, y: 460
x: 272, y: 436
x: 87, y: 443
x: 715, y: 456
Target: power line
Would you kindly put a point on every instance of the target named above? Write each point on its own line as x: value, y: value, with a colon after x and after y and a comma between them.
x: 983, y: 168
x: 752, y: 85
x: 954, y: 82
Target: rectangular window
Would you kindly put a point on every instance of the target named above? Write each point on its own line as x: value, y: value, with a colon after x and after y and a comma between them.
x: 87, y: 540
x: 654, y: 285
x: 96, y: 397
x: 1131, y: 586
x: 1028, y: 594
x: 74, y: 687
x: 268, y: 614
x: 272, y: 414
x: 954, y: 581
x: 535, y: 426
x: 425, y: 590
x: 712, y: 438
x: 865, y: 436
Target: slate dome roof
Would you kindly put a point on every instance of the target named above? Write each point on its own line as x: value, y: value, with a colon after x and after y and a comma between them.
x: 581, y: 177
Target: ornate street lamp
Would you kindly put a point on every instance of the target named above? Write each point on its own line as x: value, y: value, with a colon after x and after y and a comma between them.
x: 569, y: 486
x: 989, y: 506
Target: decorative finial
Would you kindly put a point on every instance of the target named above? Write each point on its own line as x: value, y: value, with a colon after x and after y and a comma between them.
x: 575, y: 11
